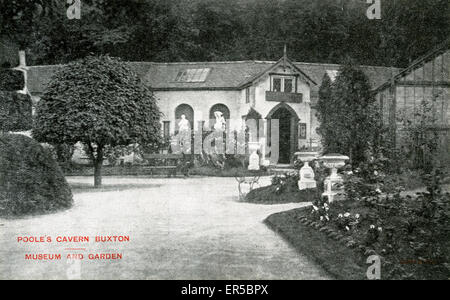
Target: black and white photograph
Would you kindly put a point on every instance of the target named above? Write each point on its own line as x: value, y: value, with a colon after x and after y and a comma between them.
x: 238, y: 142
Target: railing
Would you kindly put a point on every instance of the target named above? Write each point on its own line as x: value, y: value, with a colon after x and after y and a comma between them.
x: 284, y: 97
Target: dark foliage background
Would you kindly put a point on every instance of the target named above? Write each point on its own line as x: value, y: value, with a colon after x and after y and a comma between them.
x: 15, y: 112
x: 199, y: 30
x: 11, y: 80
x: 30, y: 179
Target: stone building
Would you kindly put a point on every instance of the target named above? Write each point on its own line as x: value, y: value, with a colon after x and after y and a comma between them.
x: 283, y: 90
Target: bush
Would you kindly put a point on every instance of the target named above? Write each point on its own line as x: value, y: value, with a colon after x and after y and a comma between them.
x: 15, y: 112
x: 11, y: 80
x: 30, y: 180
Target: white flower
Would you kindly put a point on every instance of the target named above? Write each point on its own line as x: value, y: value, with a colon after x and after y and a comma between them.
x: 372, y: 226
x: 375, y: 173
x: 350, y: 173
x: 327, y: 208
x: 321, y: 218
x: 347, y: 228
x: 357, y: 216
x: 340, y: 215
x: 380, y: 229
x: 378, y: 191
x: 347, y: 215
x: 326, y: 217
x: 315, y: 208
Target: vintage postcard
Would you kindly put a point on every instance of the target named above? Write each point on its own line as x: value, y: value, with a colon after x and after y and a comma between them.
x: 256, y: 140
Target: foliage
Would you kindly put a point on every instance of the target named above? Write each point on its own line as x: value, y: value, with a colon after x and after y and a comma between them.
x: 101, y: 103
x: 324, y: 110
x: 30, y: 180
x: 419, y: 136
x: 350, y: 122
x: 63, y: 154
x: 11, y: 80
x: 286, y: 182
x: 201, y: 30
x: 15, y: 111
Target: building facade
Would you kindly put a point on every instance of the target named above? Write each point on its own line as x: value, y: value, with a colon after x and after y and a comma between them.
x: 281, y: 93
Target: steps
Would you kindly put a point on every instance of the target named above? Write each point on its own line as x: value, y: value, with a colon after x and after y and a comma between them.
x: 280, y: 169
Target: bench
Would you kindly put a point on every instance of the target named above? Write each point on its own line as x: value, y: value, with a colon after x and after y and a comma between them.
x: 250, y: 182
x: 167, y: 162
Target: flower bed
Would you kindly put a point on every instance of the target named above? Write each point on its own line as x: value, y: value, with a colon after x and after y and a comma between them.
x: 409, y: 234
x: 284, y: 189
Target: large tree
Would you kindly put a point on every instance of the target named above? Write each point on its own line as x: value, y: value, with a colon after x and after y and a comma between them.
x: 349, y: 114
x: 324, y: 115
x: 100, y: 102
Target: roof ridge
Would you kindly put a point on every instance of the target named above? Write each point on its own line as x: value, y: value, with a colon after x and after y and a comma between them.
x: 338, y: 65
x: 201, y: 62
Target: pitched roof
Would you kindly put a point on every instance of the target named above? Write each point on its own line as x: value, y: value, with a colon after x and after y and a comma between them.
x: 419, y: 62
x: 222, y: 76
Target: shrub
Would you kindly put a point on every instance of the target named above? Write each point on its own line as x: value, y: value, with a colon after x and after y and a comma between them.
x: 11, y: 80
x: 30, y: 180
x: 15, y: 111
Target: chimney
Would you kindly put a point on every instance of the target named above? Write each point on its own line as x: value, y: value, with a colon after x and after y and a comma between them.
x: 22, y: 60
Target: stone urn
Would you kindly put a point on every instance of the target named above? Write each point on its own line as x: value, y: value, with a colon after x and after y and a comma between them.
x: 306, y: 173
x: 333, y: 162
x: 253, y: 148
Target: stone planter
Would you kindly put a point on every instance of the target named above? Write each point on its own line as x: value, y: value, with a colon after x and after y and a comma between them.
x: 333, y: 162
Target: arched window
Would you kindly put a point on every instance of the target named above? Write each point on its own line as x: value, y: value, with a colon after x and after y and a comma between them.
x: 184, y: 109
x: 219, y: 107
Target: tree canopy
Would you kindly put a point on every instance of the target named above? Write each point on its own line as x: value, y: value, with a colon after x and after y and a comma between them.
x: 99, y: 102
x: 348, y: 114
x: 202, y: 30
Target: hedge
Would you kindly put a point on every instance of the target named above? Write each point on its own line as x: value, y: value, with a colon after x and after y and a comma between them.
x: 31, y: 181
x: 15, y: 111
x: 11, y: 80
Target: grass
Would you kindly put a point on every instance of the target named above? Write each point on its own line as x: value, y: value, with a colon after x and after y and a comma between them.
x: 269, y: 195
x: 338, y: 260
x: 79, y: 188
x: 227, y: 172
x: 136, y: 170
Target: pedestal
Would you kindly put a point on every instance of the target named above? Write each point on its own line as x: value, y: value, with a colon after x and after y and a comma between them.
x: 254, y: 157
x: 306, y: 173
x: 307, y: 180
x: 333, y: 162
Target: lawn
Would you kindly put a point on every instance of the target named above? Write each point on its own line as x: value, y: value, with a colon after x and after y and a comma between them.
x: 338, y: 260
x: 270, y: 195
x: 78, y: 188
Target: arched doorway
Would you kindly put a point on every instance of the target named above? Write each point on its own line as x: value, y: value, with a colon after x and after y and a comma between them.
x: 218, y: 107
x: 287, y: 133
x: 184, y: 109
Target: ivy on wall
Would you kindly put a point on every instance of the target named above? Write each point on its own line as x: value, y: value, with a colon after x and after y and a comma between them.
x: 11, y: 80
x: 15, y: 108
x: 15, y: 111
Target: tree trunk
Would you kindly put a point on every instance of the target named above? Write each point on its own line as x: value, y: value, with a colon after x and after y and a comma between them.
x: 98, y: 174
x: 98, y: 163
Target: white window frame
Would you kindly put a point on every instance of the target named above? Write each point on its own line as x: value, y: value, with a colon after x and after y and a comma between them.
x: 283, y: 78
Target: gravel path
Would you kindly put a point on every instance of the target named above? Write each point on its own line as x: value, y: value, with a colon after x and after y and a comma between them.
x: 179, y: 229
